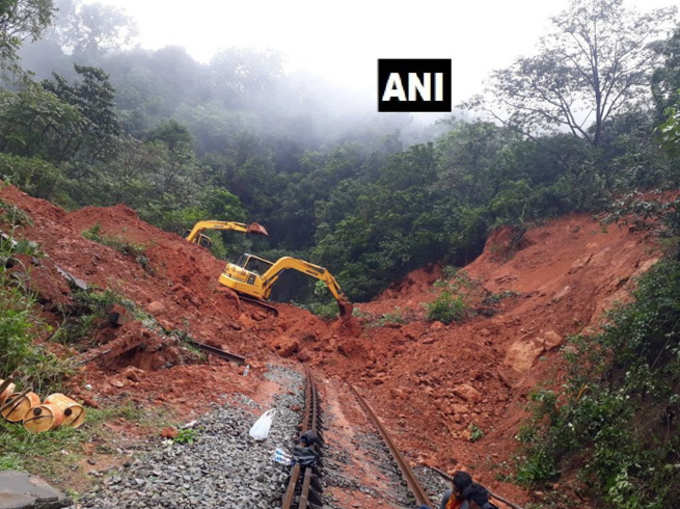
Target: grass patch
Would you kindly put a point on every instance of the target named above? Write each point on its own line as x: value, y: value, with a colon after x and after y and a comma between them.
x: 55, y: 454
x: 476, y: 433
x: 185, y: 436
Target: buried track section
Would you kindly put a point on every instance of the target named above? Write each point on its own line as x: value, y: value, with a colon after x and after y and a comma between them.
x: 304, y: 486
x: 406, y: 472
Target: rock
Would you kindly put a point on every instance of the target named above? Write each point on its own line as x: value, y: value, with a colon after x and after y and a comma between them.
x: 459, y: 409
x: 19, y: 490
x: 437, y: 325
x: 412, y: 330
x: 303, y: 356
x: 429, y: 340
x: 350, y: 347
x: 118, y: 316
x: 132, y: 373
x: 156, y: 307
x: 467, y: 392
x: 550, y: 339
x: 286, y: 346
x: 522, y: 354
x: 559, y: 295
x: 169, y: 432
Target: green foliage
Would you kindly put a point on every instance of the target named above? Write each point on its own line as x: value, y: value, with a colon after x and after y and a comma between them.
x: 134, y: 251
x: 11, y: 214
x: 596, y: 57
x: 476, y: 433
x: 446, y: 308
x: 185, y: 436
x: 617, y: 417
x: 34, y: 122
x: 93, y: 99
x: 326, y: 310
x: 22, y: 19
x: 19, y: 325
x: 669, y: 130
x: 89, y: 310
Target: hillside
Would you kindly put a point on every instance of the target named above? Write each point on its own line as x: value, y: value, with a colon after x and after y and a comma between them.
x: 428, y: 381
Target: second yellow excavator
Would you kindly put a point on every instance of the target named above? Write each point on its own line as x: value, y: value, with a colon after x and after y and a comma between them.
x: 254, y: 276
x: 196, y: 236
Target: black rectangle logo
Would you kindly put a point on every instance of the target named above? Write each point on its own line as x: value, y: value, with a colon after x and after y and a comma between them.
x: 414, y: 84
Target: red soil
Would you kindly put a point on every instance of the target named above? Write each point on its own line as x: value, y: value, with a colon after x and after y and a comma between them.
x: 428, y: 381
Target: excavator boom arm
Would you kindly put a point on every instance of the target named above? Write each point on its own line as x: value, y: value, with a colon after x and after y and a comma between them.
x: 195, y: 233
x: 315, y: 271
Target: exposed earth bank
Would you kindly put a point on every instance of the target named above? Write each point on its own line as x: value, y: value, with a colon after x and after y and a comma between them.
x: 434, y: 385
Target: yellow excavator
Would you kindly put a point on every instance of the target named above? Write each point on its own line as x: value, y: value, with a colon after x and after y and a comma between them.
x: 196, y: 236
x: 254, y: 276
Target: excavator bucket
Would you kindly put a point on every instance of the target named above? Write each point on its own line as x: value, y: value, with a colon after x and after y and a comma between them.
x: 258, y: 229
x: 346, y: 308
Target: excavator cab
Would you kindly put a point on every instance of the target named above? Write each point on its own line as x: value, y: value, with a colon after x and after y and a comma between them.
x: 246, y: 274
x: 253, y: 263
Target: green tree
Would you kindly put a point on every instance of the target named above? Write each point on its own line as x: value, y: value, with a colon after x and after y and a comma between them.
x: 93, y: 97
x: 595, y: 63
x: 21, y: 20
x: 35, y: 122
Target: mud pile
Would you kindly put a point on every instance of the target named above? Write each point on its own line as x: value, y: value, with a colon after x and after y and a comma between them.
x: 432, y: 384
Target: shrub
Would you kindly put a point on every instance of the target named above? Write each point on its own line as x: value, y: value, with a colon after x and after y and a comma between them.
x: 446, y: 308
x: 616, y: 418
x: 19, y: 324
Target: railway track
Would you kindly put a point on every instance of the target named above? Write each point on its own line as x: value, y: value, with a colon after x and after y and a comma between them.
x: 304, y: 486
x: 414, y: 486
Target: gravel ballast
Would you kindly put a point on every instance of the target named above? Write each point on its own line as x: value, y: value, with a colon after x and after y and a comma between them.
x: 222, y: 468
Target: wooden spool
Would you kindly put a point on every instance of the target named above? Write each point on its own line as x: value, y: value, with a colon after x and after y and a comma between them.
x: 74, y: 413
x: 9, y: 389
x: 43, y: 417
x: 18, y: 404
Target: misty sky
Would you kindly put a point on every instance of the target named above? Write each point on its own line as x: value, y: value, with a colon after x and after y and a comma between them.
x: 341, y: 41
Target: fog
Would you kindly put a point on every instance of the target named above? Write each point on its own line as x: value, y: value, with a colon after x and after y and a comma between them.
x: 298, y: 69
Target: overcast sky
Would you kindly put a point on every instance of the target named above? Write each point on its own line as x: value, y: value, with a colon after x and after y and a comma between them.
x: 342, y: 40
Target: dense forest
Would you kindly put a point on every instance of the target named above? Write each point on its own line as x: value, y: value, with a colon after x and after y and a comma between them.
x: 591, y: 118
x: 98, y: 122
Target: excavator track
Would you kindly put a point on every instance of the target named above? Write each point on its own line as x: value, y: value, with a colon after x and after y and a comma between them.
x: 259, y: 302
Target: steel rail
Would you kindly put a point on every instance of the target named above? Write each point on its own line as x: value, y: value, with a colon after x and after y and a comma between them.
x: 406, y: 472
x: 218, y: 351
x: 303, y: 474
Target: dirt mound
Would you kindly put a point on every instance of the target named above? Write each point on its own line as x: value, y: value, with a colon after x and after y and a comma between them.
x: 452, y: 395
x: 172, y: 286
x: 439, y: 386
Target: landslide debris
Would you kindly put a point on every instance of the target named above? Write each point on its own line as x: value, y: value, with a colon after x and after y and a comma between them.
x: 453, y: 395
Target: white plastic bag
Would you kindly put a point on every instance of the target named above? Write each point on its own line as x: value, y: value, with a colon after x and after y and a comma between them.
x: 260, y: 430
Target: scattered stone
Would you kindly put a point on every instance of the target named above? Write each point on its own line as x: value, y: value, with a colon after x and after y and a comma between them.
x: 169, y: 432
x: 467, y: 392
x: 156, y: 307
x: 19, y: 490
